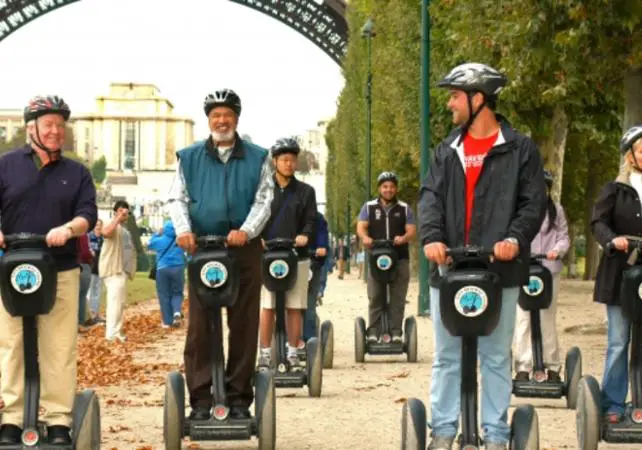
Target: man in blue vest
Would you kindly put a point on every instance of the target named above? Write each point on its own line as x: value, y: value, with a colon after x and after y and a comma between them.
x: 223, y: 186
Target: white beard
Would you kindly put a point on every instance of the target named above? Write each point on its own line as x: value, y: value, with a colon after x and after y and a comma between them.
x: 223, y: 137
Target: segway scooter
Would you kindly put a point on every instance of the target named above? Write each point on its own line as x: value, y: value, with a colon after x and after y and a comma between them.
x: 28, y: 283
x: 324, y: 330
x: 383, y: 266
x: 590, y: 429
x: 213, y: 275
x: 534, y: 297
x: 280, y: 264
x: 470, y: 304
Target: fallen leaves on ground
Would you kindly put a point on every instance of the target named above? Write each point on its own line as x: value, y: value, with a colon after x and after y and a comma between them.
x: 403, y: 374
x: 101, y: 363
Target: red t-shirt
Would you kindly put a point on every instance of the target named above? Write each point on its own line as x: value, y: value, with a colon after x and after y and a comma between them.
x: 475, y: 151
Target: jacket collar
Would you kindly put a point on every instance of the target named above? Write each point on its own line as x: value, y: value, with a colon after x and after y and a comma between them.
x: 238, y: 150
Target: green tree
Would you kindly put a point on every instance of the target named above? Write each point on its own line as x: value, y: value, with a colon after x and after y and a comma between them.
x: 99, y: 170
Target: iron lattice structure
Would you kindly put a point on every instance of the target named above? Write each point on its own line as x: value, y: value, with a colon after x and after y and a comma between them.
x: 322, y: 24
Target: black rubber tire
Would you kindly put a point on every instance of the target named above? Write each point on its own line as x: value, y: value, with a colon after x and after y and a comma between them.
x: 265, y: 410
x: 413, y: 425
x: 315, y: 367
x: 524, y: 429
x: 359, y: 340
x: 326, y: 335
x: 587, y: 414
x: 174, y: 411
x: 86, y: 421
x: 410, y: 337
x: 572, y: 375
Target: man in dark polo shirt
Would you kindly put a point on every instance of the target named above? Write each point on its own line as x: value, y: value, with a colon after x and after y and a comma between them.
x: 387, y: 218
x: 42, y: 192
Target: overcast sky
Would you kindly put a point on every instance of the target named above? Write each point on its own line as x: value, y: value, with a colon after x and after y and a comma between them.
x: 187, y: 48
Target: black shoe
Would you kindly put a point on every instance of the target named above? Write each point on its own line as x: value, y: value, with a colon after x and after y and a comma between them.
x: 200, y: 413
x: 554, y: 376
x: 10, y: 434
x: 240, y: 412
x: 59, y: 435
x: 522, y: 376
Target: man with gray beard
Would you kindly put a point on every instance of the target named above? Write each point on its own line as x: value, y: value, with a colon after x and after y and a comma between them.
x: 223, y: 186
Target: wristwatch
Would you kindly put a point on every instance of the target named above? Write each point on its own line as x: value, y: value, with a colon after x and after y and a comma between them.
x: 512, y: 240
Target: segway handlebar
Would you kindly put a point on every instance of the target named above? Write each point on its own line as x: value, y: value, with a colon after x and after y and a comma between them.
x: 542, y: 256
x: 284, y: 243
x: 211, y: 240
x: 469, y: 252
x: 610, y: 248
x: 379, y: 243
x: 16, y: 238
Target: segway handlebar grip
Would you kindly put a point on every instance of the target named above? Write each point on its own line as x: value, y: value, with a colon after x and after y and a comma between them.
x: 210, y: 239
x: 610, y: 249
x: 15, y: 238
x: 469, y: 252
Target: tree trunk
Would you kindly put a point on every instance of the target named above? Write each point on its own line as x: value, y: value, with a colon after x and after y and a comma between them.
x: 555, y: 148
x: 632, y: 98
x: 590, y: 263
x: 571, y: 257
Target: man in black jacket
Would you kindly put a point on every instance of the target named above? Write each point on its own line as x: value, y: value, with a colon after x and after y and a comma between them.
x: 485, y: 187
x: 294, y: 215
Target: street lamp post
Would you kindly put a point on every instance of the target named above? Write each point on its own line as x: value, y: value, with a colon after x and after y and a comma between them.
x: 423, y: 304
x: 367, y: 32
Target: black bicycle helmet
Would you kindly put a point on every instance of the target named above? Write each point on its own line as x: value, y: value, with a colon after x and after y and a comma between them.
x: 629, y: 138
x: 46, y: 104
x: 387, y: 176
x: 548, y: 178
x: 223, y: 97
x: 285, y: 145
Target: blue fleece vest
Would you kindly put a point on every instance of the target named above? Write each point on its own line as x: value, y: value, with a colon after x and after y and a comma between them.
x: 221, y: 194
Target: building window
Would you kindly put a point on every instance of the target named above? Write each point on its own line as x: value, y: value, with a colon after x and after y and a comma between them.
x: 130, y: 146
x: 3, y: 133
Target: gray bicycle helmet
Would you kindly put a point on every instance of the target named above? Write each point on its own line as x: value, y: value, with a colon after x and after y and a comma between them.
x: 387, y: 176
x: 629, y: 138
x: 223, y: 97
x: 285, y: 145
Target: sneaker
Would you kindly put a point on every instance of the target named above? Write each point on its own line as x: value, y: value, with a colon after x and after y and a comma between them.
x: 295, y: 362
x: 372, y: 337
x: 265, y: 360
x: 612, y: 418
x: 164, y: 325
x: 10, y: 434
x: 59, y: 435
x: 554, y: 376
x: 397, y: 339
x: 441, y: 443
x: 119, y: 337
x: 522, y: 376
x: 200, y: 413
x: 495, y: 446
x: 177, y: 320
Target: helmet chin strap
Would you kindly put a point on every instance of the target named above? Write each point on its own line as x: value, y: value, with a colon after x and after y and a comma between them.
x: 635, y: 161
x: 53, y: 154
x: 472, y: 115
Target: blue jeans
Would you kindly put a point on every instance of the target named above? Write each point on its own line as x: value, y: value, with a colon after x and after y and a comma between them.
x: 85, y: 279
x: 495, y: 365
x: 95, y: 288
x: 170, y: 282
x: 323, y: 279
x: 615, y: 381
x: 310, y: 316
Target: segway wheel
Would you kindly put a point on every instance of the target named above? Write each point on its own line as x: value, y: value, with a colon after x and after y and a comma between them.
x: 524, y: 429
x: 327, y: 340
x: 174, y: 411
x: 86, y: 421
x: 572, y: 375
x: 359, y: 340
x: 413, y: 425
x: 315, y: 367
x: 410, y: 338
x: 265, y: 410
x: 587, y: 413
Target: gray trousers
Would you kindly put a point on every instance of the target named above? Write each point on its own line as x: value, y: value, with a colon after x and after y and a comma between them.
x: 377, y: 297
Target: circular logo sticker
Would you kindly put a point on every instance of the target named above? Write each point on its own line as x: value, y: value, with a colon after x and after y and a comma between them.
x: 213, y: 274
x: 279, y: 269
x: 471, y: 301
x: 26, y: 278
x: 636, y: 415
x: 384, y: 262
x: 534, y: 287
x: 540, y: 377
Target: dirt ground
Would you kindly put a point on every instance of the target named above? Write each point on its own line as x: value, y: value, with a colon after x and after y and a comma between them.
x: 361, y: 403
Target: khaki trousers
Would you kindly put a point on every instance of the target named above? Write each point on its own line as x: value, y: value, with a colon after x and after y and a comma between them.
x: 57, y: 333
